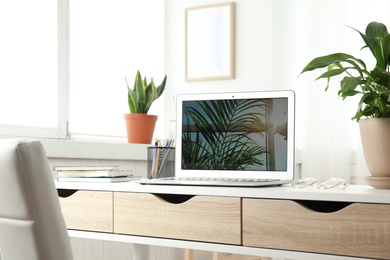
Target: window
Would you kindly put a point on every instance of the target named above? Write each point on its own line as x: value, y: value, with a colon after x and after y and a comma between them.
x: 111, y: 39
x: 28, y: 65
x: 64, y: 63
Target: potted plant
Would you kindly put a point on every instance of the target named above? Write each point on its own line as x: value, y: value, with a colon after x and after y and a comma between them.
x: 140, y: 126
x: 373, y: 113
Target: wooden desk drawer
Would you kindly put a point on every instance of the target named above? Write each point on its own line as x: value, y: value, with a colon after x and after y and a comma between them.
x: 87, y: 210
x: 356, y: 229
x: 200, y: 218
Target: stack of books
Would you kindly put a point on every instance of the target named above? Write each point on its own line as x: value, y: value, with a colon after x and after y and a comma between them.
x: 94, y: 174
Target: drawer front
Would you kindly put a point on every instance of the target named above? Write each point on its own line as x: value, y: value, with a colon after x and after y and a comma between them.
x: 200, y: 218
x: 87, y: 210
x: 357, y: 229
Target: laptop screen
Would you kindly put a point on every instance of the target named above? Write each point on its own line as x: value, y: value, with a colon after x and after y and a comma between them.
x: 235, y: 135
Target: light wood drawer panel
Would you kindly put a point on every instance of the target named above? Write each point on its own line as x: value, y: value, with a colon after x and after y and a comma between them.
x: 88, y: 210
x: 357, y: 230
x: 200, y: 218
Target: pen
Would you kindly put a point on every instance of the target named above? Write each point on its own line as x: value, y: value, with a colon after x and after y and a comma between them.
x: 157, y: 158
x: 152, y: 174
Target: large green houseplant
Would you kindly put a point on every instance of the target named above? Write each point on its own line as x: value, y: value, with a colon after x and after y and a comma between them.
x: 373, y: 113
x: 140, y: 126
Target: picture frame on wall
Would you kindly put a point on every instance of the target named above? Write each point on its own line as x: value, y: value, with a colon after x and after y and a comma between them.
x: 210, y: 42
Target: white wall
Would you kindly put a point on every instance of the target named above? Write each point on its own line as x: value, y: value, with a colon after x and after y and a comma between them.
x: 252, y: 51
x: 275, y: 39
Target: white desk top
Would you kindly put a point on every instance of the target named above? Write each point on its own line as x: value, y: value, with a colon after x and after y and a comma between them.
x: 353, y: 193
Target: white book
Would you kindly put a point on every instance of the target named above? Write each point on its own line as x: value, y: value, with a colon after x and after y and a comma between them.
x: 91, y: 171
x: 86, y: 168
x: 97, y: 173
x: 99, y: 179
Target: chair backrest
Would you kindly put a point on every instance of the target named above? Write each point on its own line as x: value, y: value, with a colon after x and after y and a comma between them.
x: 31, y: 223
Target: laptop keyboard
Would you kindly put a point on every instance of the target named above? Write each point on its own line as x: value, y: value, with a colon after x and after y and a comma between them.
x: 237, y: 180
x: 202, y: 181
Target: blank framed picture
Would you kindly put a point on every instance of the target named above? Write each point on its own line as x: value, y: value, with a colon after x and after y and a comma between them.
x: 210, y: 42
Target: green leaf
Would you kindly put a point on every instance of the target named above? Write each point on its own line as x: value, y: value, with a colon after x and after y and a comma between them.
x: 348, y: 85
x: 161, y: 87
x: 150, y: 96
x: 381, y: 77
x: 139, y: 89
x: 132, y: 101
x: 375, y: 29
x: 384, y: 48
x: 131, y: 98
x: 324, y: 61
x: 348, y: 93
x: 381, y: 62
x: 357, y: 67
x: 381, y: 104
x: 333, y: 72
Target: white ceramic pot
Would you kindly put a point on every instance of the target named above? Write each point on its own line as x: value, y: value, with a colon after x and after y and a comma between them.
x: 375, y: 135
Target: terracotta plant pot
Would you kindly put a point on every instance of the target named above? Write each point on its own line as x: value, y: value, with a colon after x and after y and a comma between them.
x: 140, y: 128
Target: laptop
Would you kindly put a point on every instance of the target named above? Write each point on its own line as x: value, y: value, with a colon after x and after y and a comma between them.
x: 233, y: 139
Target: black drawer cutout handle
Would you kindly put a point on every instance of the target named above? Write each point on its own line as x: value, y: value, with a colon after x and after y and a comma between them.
x: 174, y: 198
x: 64, y: 193
x: 324, y: 206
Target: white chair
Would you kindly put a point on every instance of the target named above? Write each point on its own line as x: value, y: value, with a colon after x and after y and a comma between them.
x: 31, y: 223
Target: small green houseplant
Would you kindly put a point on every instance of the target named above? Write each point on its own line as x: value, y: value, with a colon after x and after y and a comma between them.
x: 140, y: 126
x: 143, y: 94
x: 373, y: 113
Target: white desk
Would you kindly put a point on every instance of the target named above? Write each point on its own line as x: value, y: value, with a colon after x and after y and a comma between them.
x: 333, y: 235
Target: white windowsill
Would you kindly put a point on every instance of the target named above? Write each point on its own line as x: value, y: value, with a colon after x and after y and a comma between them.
x: 93, y: 150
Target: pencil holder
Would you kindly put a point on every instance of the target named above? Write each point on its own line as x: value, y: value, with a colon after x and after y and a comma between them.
x: 161, y: 162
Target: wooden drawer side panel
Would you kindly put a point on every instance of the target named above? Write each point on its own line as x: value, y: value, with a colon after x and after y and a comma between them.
x: 202, y: 218
x: 88, y: 210
x: 361, y: 230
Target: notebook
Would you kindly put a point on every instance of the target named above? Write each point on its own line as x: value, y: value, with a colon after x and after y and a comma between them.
x: 234, y: 139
